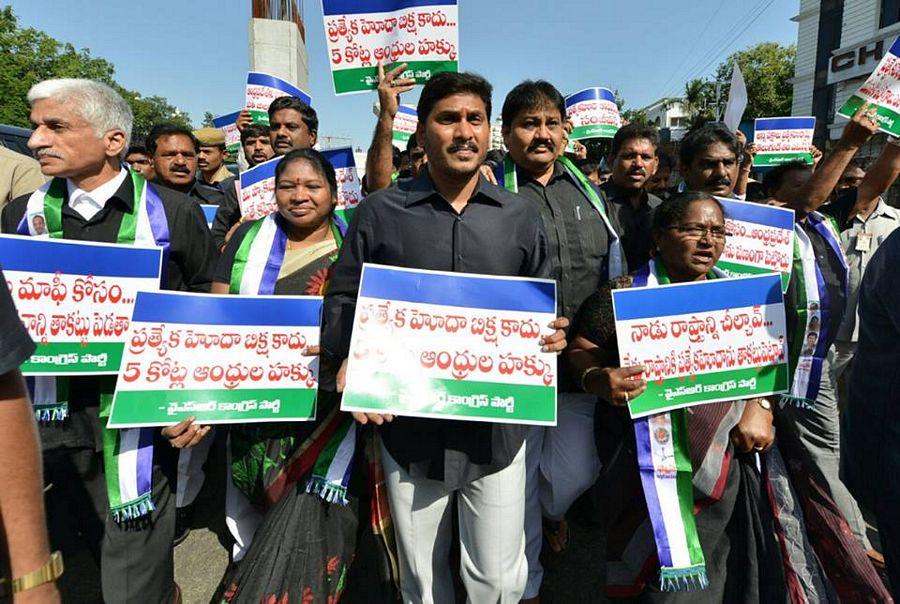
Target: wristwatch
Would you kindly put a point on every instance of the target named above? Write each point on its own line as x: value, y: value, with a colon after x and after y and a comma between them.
x: 764, y: 403
x: 49, y: 572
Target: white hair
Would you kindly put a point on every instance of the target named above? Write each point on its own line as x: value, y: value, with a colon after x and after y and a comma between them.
x: 101, y: 106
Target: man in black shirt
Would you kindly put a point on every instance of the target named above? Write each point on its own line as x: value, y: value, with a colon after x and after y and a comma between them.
x: 633, y: 161
x: 174, y: 151
x: 137, y: 563
x: 561, y: 462
x: 450, y: 219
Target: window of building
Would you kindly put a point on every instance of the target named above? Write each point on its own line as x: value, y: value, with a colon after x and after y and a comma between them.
x: 890, y: 12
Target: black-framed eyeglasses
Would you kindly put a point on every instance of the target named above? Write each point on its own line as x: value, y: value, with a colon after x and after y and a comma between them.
x: 698, y: 231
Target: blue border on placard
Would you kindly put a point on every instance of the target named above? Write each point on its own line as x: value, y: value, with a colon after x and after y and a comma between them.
x: 356, y: 7
x: 341, y: 157
x: 702, y: 296
x: 457, y: 289
x: 226, y: 120
x: 204, y: 309
x: 779, y: 218
x: 590, y: 94
x: 785, y: 123
x: 30, y: 254
x: 408, y: 111
x: 256, y: 174
x: 263, y: 79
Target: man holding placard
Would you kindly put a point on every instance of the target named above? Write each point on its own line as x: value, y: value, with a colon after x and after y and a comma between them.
x: 584, y: 252
x: 448, y: 219
x: 92, y: 198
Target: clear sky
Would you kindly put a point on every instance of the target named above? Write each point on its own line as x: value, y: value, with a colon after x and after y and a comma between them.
x: 195, y: 52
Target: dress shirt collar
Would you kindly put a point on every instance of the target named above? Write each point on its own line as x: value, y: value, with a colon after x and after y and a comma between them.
x: 95, y: 200
x: 422, y: 187
x: 558, y: 172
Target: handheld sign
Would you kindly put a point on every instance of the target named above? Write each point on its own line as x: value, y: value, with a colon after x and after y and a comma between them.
x: 704, y: 341
x: 760, y: 240
x: 263, y: 88
x: 882, y: 89
x: 257, y: 198
x: 424, y: 34
x: 780, y: 140
x: 221, y: 359
x: 226, y: 123
x: 349, y: 189
x: 594, y: 113
x: 405, y: 123
x: 452, y: 345
x: 75, y: 299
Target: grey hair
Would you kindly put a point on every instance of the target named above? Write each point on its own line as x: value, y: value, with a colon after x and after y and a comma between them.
x: 101, y: 106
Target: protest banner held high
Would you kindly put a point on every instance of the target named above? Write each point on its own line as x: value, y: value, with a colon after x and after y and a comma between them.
x: 780, y: 140
x: 594, y: 113
x: 882, y: 88
x: 421, y: 33
x: 263, y: 88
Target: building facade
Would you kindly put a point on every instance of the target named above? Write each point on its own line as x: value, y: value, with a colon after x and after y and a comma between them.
x: 839, y: 43
x: 669, y: 115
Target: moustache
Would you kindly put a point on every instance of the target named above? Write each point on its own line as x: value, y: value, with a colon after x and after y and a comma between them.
x: 640, y: 172
x: 723, y: 181
x: 180, y: 169
x: 282, y: 140
x: 541, y: 143
x: 48, y: 153
x: 466, y: 146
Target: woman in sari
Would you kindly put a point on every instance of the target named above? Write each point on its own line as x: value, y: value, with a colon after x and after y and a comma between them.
x: 734, y: 523
x: 740, y: 535
x: 289, y: 502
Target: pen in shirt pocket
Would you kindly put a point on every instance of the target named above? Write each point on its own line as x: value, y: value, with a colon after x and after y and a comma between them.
x: 578, y: 212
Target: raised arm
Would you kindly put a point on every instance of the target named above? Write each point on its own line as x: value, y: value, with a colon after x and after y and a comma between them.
x: 380, y: 159
x: 815, y: 192
x: 879, y: 178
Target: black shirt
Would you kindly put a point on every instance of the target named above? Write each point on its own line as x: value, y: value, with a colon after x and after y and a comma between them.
x: 411, y: 225
x: 15, y: 343
x: 228, y: 215
x: 189, y: 268
x: 635, y: 224
x: 578, y: 240
x: 199, y: 192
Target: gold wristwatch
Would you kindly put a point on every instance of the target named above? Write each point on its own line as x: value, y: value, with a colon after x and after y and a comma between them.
x: 764, y: 403
x: 49, y: 572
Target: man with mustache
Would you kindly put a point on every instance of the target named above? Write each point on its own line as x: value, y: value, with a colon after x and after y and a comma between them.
x: 81, y: 131
x: 211, y: 159
x: 449, y: 218
x: 174, y: 151
x: 257, y: 147
x: 633, y: 160
x: 561, y: 462
x: 708, y: 160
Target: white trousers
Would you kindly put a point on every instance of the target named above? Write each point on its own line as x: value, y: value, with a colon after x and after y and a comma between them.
x: 241, y: 518
x: 561, y: 464
x: 190, y: 470
x: 492, y: 542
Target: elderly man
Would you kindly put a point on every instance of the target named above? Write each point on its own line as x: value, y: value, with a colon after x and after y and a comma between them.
x: 93, y: 195
x: 449, y: 218
x: 174, y: 150
x: 585, y: 252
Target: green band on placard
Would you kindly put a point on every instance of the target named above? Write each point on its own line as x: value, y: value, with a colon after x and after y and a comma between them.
x: 366, y: 78
x: 152, y: 407
x: 672, y: 392
x: 594, y: 131
x: 259, y: 117
x: 74, y: 357
x: 766, y: 160
x: 474, y: 400
x: 733, y: 269
x: 887, y: 119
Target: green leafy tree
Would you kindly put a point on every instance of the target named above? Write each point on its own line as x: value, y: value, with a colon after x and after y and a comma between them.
x: 30, y: 56
x: 635, y: 116
x: 208, y: 120
x: 699, y: 99
x: 767, y: 68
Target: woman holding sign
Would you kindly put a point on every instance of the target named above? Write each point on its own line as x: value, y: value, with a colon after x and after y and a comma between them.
x: 287, y: 490
x: 689, y: 235
x: 710, y: 509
